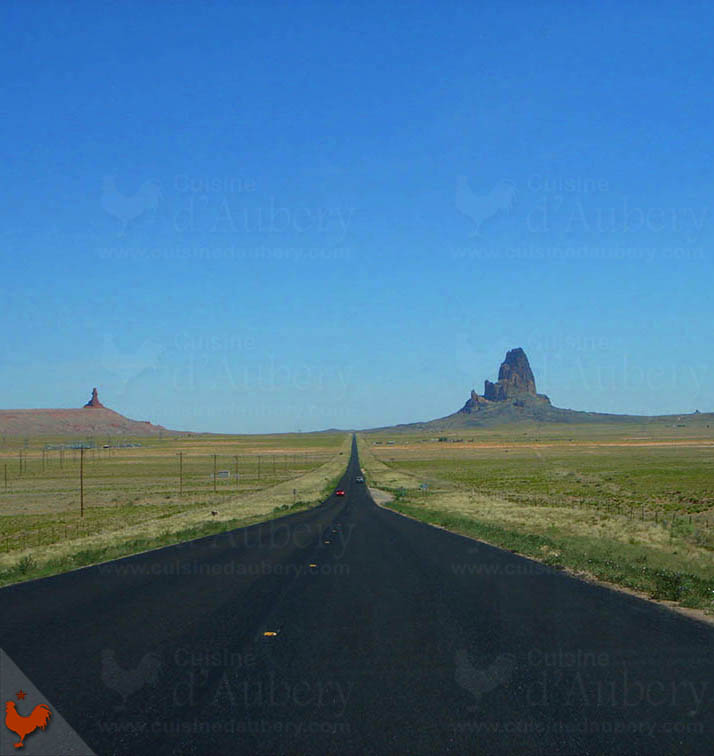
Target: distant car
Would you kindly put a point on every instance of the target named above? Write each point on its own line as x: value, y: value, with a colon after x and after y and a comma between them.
x: 359, y: 479
x: 339, y: 492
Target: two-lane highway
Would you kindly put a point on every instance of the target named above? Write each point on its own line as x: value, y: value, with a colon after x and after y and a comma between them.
x: 349, y: 628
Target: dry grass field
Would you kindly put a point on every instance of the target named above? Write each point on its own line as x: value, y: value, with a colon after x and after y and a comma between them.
x: 142, y: 493
x: 632, y: 505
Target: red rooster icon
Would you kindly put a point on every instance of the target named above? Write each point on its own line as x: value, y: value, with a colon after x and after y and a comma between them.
x: 23, y: 726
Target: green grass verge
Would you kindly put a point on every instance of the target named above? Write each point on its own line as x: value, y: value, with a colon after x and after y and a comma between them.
x: 609, y: 561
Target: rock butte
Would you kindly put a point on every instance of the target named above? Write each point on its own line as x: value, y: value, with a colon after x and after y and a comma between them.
x: 91, y: 419
x: 515, y: 381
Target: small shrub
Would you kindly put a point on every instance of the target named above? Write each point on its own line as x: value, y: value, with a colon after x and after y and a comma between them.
x: 667, y: 585
x: 26, y: 564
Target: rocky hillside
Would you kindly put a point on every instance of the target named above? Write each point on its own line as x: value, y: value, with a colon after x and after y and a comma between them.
x: 513, y: 399
x: 93, y: 418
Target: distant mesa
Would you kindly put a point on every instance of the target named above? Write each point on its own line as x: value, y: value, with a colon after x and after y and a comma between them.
x: 515, y: 382
x: 513, y: 399
x: 73, y: 422
x: 94, y: 401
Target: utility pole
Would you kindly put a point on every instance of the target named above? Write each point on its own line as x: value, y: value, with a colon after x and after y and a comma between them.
x: 81, y: 482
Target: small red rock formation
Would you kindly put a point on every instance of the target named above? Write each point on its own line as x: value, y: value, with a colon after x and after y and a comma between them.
x: 94, y: 401
x: 72, y: 422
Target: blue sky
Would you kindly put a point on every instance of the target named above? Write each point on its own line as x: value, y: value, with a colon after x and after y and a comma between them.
x: 248, y: 217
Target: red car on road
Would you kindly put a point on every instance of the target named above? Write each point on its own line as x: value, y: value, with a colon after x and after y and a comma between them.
x: 339, y: 492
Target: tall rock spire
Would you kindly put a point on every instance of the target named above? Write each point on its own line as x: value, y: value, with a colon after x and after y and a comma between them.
x: 515, y: 384
x: 94, y: 401
x: 514, y: 377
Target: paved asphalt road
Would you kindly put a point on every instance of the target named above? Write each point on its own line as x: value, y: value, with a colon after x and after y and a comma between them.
x: 402, y: 639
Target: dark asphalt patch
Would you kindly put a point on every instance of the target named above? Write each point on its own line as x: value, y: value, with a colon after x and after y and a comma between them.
x: 410, y: 640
